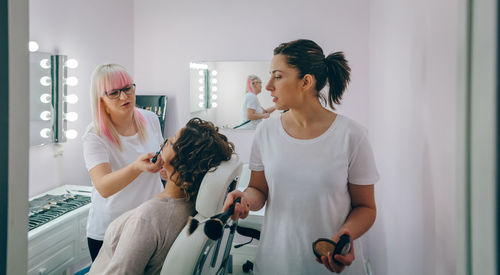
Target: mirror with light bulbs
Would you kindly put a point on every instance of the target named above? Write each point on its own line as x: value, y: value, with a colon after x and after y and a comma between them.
x: 49, y: 98
x: 217, y: 90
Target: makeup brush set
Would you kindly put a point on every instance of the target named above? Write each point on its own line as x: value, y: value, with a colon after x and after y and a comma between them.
x: 214, y: 226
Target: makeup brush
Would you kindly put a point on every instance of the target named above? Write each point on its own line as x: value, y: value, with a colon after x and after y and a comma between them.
x: 193, y: 224
x: 155, y: 158
x: 214, y: 225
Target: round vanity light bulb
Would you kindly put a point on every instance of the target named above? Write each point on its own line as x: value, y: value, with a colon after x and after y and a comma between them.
x: 201, y: 104
x: 45, y: 132
x: 71, y: 134
x: 214, y: 88
x: 214, y: 104
x: 45, y: 115
x: 201, y: 80
x: 201, y: 96
x: 201, y: 72
x: 214, y: 80
x: 45, y: 98
x: 33, y: 46
x: 214, y: 72
x: 45, y: 81
x: 201, y: 89
x: 214, y: 97
x: 71, y: 63
x: 72, y: 99
x: 72, y: 81
x: 45, y: 63
x: 71, y: 116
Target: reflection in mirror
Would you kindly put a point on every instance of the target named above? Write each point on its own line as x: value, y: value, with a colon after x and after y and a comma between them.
x: 40, y: 98
x: 218, y: 89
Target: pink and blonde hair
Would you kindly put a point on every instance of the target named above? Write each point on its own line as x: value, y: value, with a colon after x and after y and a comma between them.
x: 107, y: 77
x: 251, y: 78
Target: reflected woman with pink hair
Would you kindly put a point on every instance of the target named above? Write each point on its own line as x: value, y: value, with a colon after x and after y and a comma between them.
x: 253, y: 112
x: 117, y: 148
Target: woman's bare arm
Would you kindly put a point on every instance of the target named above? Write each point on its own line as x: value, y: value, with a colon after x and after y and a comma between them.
x: 108, y: 182
x: 252, y: 115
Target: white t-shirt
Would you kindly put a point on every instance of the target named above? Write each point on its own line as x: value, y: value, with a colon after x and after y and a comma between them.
x: 97, y: 150
x: 308, y: 192
x: 251, y: 102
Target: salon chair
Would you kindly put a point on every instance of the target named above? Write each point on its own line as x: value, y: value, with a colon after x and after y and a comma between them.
x: 188, y: 254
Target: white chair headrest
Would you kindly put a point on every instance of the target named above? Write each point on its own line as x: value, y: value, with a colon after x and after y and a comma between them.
x: 213, y: 187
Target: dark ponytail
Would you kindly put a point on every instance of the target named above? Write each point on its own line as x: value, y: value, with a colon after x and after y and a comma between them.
x: 338, y: 77
x: 308, y: 58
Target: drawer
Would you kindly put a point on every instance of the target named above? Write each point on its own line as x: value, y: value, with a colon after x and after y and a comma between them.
x: 55, y: 260
x: 60, y: 234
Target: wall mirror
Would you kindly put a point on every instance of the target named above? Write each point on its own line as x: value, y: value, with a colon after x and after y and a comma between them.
x: 217, y: 90
x: 49, y: 98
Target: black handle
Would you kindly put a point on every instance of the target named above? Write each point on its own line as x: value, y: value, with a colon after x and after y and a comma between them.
x: 214, y: 227
x: 342, y: 247
x: 225, y: 215
x: 155, y: 158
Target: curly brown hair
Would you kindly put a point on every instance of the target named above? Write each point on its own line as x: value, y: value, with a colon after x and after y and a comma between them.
x: 198, y: 149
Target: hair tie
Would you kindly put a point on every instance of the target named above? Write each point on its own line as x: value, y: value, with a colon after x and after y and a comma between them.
x: 326, y: 65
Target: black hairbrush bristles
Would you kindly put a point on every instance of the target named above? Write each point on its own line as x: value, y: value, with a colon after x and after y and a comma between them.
x: 192, y: 225
x: 155, y: 158
x: 214, y: 229
x: 214, y: 226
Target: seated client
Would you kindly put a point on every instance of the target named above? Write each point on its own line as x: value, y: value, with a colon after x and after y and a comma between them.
x: 138, y: 241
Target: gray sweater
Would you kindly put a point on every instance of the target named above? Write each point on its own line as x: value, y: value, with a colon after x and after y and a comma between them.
x: 138, y: 241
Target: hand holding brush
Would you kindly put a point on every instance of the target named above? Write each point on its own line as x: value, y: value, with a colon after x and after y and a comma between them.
x: 214, y: 226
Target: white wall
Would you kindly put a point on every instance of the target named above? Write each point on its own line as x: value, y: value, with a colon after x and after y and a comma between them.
x: 413, y: 110
x: 93, y: 32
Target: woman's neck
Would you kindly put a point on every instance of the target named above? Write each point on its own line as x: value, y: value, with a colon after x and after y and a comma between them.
x: 172, y: 191
x: 309, y: 113
x: 308, y: 121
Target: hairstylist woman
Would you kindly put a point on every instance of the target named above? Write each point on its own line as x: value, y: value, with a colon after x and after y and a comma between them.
x: 252, y: 110
x: 117, y: 149
x: 313, y: 167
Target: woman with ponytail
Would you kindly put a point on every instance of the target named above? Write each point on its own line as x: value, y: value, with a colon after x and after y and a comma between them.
x: 117, y: 149
x: 252, y: 110
x: 313, y: 168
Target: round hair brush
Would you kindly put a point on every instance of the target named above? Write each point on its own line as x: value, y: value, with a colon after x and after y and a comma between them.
x: 214, y: 226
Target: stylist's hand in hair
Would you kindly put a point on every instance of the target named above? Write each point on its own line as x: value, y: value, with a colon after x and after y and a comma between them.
x: 344, y: 260
x: 143, y: 163
x: 240, y: 209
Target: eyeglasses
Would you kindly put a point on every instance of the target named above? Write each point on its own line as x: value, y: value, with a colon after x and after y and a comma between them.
x: 155, y: 158
x: 114, y: 94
